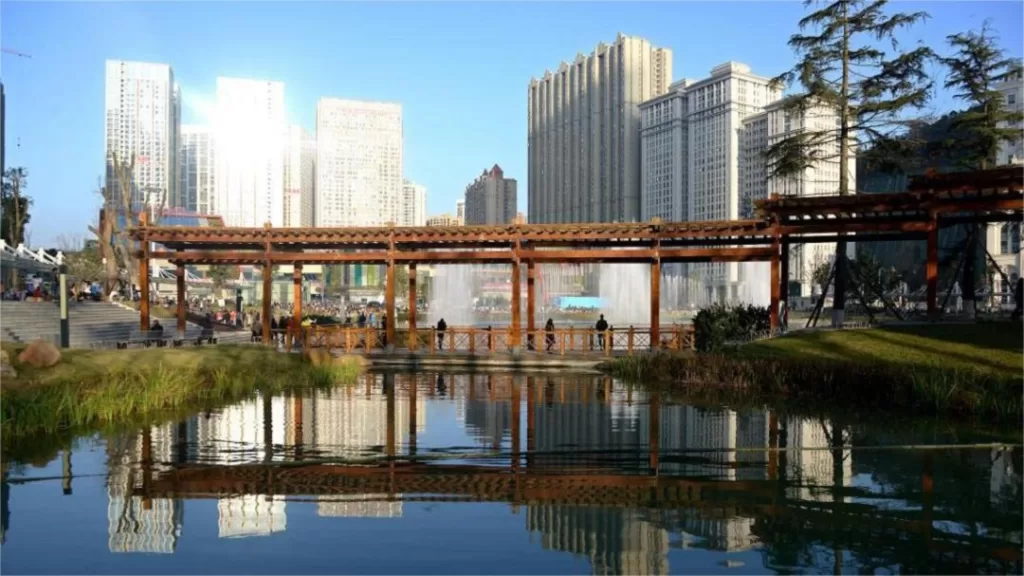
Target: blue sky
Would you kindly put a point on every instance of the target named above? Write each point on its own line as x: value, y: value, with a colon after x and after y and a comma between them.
x: 459, y: 69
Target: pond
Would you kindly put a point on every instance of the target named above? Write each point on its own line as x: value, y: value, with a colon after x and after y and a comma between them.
x: 514, y: 474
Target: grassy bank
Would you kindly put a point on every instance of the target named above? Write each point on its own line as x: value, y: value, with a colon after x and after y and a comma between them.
x: 92, y: 389
x: 969, y: 370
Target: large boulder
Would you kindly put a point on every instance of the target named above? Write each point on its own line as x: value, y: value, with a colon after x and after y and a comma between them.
x: 351, y: 359
x: 318, y: 356
x: 40, y: 354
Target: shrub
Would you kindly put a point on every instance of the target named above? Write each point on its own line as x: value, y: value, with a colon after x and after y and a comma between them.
x: 717, y: 324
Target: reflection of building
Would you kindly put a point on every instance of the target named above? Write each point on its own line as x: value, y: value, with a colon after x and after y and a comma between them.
x: 350, y: 424
x: 250, y: 515
x: 813, y: 466
x: 135, y: 525
x: 615, y: 540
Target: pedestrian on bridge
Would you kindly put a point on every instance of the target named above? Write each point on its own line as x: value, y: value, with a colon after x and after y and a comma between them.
x: 441, y: 327
x: 549, y: 336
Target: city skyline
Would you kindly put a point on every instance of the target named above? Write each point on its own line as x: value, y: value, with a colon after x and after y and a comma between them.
x: 438, y: 153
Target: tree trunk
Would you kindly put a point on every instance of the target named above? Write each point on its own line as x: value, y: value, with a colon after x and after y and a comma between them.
x: 842, y: 273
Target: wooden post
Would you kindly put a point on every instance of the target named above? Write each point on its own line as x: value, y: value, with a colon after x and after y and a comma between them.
x: 932, y: 269
x: 655, y: 304
x: 531, y: 389
x: 412, y: 306
x: 180, y: 278
x: 389, y: 392
x: 516, y: 320
x: 531, y: 323
x: 143, y: 277
x: 773, y: 312
x: 297, y: 302
x: 389, y: 304
x: 784, y: 279
x: 297, y: 424
x: 268, y: 339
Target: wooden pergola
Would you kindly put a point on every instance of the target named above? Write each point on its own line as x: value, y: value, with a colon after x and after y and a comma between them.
x: 933, y: 202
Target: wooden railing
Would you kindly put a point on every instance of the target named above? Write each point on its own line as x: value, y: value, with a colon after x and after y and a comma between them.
x: 473, y: 340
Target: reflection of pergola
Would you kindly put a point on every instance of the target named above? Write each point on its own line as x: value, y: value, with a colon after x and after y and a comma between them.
x: 933, y: 202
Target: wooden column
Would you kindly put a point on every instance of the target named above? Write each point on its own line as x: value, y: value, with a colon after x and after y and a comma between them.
x: 389, y: 393
x: 297, y: 303
x: 773, y: 312
x: 143, y: 277
x: 531, y: 418
x: 784, y: 276
x: 268, y: 429
x: 655, y: 304
x: 932, y: 269
x: 267, y: 287
x: 389, y: 303
x: 516, y: 320
x: 412, y: 306
x: 531, y: 305
x: 180, y: 278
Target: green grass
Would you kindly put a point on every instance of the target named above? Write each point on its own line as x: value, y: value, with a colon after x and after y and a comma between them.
x: 993, y: 348
x: 94, y: 389
x: 964, y: 371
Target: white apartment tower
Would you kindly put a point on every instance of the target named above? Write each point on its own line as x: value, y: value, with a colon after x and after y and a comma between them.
x: 358, y: 163
x: 300, y: 156
x: 460, y: 211
x: 584, y: 132
x: 250, y: 130
x: 198, y: 169
x: 414, y: 204
x: 757, y: 134
x: 1003, y: 239
x: 143, y: 118
x: 664, y: 145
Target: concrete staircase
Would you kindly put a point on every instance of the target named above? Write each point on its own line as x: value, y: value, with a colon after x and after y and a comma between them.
x: 91, y: 323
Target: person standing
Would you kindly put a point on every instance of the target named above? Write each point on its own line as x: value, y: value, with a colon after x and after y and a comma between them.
x: 549, y: 335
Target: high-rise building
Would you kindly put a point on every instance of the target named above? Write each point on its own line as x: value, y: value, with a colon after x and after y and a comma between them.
x: 3, y: 126
x: 300, y: 156
x: 414, y: 205
x: 198, y: 169
x: 358, y: 163
x: 249, y: 131
x: 443, y: 220
x: 691, y: 152
x: 491, y: 198
x: 460, y: 211
x: 760, y: 131
x: 143, y: 118
x: 1003, y: 239
x: 584, y: 132
x: 664, y: 145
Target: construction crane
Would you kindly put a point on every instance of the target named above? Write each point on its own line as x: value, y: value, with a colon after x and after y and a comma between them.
x: 15, y: 52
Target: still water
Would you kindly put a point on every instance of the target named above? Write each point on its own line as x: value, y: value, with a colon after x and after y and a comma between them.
x: 513, y: 474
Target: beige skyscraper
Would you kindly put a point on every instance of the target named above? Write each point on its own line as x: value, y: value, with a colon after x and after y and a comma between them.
x: 414, y: 204
x: 490, y: 199
x: 358, y: 163
x: 584, y: 132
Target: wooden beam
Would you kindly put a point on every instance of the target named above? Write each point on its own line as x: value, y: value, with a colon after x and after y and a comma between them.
x: 784, y: 277
x: 389, y: 304
x: 774, y: 286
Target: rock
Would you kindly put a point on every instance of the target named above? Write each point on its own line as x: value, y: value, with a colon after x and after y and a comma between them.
x: 40, y: 354
x: 317, y: 356
x: 5, y: 365
x: 350, y: 359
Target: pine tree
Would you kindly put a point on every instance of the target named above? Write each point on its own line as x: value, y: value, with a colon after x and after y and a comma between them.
x: 843, y: 67
x: 976, y: 67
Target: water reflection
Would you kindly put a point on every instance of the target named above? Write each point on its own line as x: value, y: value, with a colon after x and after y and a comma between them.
x: 628, y: 480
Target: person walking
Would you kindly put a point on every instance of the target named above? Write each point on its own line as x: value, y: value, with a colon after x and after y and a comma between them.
x: 601, y: 326
x: 441, y: 327
x: 549, y: 335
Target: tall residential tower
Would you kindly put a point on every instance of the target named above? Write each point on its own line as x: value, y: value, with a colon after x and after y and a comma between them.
x: 143, y: 117
x: 249, y: 131
x: 358, y: 163
x: 198, y: 169
x: 491, y: 198
x: 584, y: 132
x: 414, y: 204
x: 300, y: 156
